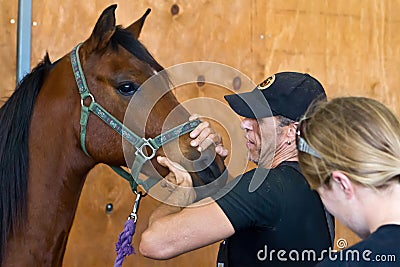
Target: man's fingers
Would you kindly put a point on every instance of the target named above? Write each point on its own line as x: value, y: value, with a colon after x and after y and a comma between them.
x: 222, y: 151
x: 199, y: 129
x: 205, y: 144
x: 204, y: 141
x: 163, y: 161
x: 194, y: 117
x: 204, y: 136
x: 172, y: 166
x: 177, y: 175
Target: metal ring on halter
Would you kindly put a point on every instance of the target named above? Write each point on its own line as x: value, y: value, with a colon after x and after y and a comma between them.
x: 133, y: 215
x: 89, y: 95
x: 148, y: 144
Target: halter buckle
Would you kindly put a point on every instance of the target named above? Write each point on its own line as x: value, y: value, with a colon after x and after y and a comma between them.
x: 140, y: 149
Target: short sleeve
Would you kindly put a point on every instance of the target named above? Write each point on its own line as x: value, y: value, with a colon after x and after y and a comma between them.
x: 260, y: 208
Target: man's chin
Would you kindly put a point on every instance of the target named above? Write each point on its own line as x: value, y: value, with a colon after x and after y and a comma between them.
x: 255, y: 161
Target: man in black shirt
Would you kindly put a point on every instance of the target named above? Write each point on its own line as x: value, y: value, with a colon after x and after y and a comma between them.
x: 268, y: 216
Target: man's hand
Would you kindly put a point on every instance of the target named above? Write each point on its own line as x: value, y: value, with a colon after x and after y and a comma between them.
x: 179, y: 182
x: 204, y: 136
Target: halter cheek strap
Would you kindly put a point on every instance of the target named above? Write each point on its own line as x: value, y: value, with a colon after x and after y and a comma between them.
x: 141, y: 144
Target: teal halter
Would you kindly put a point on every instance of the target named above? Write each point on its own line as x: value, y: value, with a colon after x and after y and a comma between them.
x: 138, y: 142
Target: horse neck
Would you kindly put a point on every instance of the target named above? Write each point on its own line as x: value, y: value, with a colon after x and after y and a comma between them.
x: 57, y: 171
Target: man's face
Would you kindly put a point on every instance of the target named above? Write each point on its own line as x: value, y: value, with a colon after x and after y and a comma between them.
x: 260, y: 137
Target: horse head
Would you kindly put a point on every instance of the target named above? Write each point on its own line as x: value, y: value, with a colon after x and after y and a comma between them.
x: 121, y: 73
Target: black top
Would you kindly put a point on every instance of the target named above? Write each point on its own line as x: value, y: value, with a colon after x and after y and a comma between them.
x: 283, y: 213
x: 381, y: 248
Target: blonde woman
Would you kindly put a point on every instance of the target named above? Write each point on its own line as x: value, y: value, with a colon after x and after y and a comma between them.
x: 350, y: 153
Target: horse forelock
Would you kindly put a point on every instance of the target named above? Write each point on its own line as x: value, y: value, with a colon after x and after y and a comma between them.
x: 134, y: 46
x: 15, y: 116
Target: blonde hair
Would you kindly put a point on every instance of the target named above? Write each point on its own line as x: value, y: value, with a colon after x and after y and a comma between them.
x: 355, y: 135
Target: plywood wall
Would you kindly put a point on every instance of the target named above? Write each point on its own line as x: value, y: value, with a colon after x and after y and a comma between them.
x: 8, y: 44
x: 351, y: 46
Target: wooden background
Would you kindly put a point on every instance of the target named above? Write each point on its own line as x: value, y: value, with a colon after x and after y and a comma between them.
x: 351, y: 46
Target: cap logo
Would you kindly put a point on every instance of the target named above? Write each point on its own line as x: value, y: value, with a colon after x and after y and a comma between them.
x: 266, y: 83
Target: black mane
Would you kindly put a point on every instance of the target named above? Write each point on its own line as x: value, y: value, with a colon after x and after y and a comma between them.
x: 15, y: 116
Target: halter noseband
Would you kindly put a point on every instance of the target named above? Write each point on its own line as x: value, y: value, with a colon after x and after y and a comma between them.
x: 138, y: 142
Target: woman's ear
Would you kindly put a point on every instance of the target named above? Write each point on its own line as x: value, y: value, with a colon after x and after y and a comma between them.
x: 341, y: 182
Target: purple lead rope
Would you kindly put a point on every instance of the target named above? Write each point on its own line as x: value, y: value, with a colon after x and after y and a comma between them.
x: 124, y: 245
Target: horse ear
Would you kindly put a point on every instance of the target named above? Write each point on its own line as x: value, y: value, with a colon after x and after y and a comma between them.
x: 104, y: 29
x: 136, y: 27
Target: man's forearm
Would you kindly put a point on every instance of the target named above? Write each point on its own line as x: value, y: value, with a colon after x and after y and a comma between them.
x: 179, y: 198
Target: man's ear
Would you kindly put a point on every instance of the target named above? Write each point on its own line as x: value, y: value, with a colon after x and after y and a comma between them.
x: 291, y: 132
x: 341, y: 182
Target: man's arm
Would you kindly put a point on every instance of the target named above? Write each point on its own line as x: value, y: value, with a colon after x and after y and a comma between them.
x: 174, y: 230
x: 185, y: 230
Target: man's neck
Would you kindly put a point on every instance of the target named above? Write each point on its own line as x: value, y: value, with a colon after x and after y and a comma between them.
x: 284, y: 153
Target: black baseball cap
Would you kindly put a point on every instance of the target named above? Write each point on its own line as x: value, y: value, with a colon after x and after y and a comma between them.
x: 288, y: 94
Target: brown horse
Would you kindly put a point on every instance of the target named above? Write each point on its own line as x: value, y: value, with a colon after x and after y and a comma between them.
x: 42, y: 164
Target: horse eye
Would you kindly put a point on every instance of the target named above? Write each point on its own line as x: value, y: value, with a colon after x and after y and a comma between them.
x: 128, y: 88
